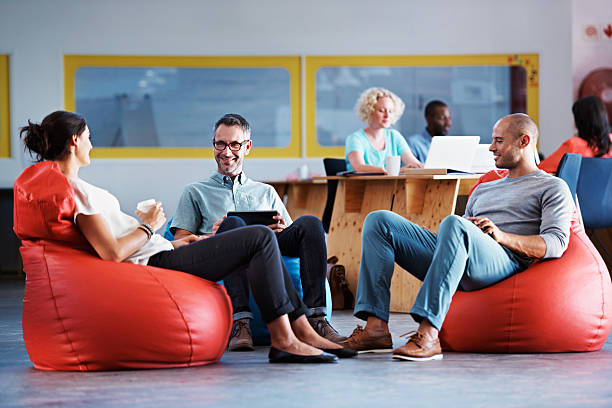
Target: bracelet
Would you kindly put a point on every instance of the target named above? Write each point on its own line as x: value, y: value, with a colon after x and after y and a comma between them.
x: 146, y: 231
x: 148, y: 227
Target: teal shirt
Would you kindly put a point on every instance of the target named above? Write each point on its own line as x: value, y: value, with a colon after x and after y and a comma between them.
x: 205, y: 202
x: 395, y: 145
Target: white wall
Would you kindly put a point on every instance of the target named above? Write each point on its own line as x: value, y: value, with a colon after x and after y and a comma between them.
x: 37, y: 33
x: 589, y: 54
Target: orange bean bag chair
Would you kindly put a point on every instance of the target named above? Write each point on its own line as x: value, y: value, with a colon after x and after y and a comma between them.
x: 83, y: 313
x: 557, y: 305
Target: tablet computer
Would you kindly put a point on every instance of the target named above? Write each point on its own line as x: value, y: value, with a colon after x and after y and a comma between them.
x: 255, y: 217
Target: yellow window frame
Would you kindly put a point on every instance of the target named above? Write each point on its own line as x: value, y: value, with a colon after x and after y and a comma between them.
x: 290, y: 63
x: 5, y: 110
x: 312, y: 64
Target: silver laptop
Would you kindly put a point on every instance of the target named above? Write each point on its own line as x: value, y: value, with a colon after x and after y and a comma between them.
x: 452, y: 152
x: 483, y: 159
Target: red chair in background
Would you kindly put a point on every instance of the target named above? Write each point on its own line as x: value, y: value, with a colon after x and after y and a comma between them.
x: 83, y: 313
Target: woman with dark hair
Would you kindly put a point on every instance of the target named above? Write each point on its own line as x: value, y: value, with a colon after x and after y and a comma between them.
x: 63, y: 137
x: 594, y: 138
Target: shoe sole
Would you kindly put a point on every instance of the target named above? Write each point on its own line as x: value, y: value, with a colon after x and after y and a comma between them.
x: 389, y: 350
x: 403, y: 357
x: 243, y: 348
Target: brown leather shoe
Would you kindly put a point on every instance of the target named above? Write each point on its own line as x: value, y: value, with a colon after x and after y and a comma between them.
x: 364, y: 342
x: 325, y: 329
x: 240, y: 338
x: 419, y: 348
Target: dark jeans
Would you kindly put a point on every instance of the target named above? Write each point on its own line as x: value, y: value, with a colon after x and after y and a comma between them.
x: 305, y: 239
x: 253, y: 248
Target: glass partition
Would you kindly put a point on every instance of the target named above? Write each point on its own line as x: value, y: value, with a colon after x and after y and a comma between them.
x: 166, y: 107
x: 478, y: 89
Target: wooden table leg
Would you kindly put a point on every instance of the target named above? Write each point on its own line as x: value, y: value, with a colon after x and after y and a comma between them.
x: 426, y: 203
x: 423, y: 201
x: 306, y: 199
x: 355, y: 199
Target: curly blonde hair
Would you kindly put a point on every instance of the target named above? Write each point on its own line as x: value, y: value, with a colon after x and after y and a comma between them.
x: 368, y: 98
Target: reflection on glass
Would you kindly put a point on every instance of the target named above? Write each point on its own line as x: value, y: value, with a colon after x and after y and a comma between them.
x: 477, y: 97
x: 177, y: 107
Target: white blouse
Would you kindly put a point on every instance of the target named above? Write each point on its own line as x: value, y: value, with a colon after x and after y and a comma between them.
x: 91, y: 200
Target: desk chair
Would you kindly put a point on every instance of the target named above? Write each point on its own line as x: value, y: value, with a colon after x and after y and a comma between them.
x: 332, y: 167
x: 569, y: 170
x: 594, y: 190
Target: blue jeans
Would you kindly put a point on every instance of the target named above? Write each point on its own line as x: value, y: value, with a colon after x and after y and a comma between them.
x: 460, y: 257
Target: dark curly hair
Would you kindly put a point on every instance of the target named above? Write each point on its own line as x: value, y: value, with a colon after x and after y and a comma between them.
x: 50, y: 140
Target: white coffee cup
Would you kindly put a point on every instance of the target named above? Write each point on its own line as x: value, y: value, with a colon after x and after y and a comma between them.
x: 393, y: 164
x: 145, y: 205
x: 303, y: 172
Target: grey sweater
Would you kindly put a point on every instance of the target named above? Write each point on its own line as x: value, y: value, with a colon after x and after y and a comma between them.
x: 534, y: 204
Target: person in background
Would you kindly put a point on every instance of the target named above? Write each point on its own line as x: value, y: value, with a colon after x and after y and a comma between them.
x: 366, y: 149
x: 204, y: 204
x: 438, y: 119
x: 507, y: 224
x: 594, y: 138
x: 63, y: 137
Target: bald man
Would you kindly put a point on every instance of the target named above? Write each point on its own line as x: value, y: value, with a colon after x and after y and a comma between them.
x: 508, y: 223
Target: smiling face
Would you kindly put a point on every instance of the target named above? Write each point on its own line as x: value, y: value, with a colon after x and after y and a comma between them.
x: 506, y: 147
x: 82, y: 144
x: 439, y: 121
x: 382, y: 115
x: 229, y: 162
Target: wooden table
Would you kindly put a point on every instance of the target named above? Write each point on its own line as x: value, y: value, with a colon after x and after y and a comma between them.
x: 302, y: 197
x: 423, y: 199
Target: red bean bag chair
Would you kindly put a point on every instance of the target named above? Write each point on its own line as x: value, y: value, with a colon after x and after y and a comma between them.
x: 557, y: 305
x: 83, y: 313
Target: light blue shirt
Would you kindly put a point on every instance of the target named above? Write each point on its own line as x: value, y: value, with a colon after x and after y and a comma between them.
x: 419, y: 145
x: 205, y: 202
x: 395, y: 145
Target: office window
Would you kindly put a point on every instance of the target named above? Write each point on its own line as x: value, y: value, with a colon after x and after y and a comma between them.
x: 166, y: 107
x: 478, y: 89
x: 5, y: 127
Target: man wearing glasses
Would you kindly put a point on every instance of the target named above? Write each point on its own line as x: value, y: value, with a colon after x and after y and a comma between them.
x: 203, y: 206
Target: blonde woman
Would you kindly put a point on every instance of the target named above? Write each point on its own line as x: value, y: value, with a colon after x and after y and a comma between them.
x: 367, y: 148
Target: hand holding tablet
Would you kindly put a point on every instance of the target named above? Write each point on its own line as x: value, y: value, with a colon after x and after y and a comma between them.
x: 256, y: 217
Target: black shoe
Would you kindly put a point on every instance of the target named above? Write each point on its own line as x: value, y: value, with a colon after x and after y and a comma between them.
x: 342, y: 352
x: 279, y: 356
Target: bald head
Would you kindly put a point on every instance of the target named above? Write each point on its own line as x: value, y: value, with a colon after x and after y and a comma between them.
x: 514, y: 144
x: 518, y: 124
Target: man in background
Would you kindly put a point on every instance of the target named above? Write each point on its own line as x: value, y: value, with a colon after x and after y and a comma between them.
x: 438, y: 119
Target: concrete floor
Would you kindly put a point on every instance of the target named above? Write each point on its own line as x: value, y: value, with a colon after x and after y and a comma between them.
x: 246, y: 379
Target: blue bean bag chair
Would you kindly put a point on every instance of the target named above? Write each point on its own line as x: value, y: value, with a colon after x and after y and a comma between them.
x: 261, y: 335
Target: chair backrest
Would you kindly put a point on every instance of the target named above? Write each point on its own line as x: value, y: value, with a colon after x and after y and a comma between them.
x: 595, y: 192
x: 44, y: 207
x: 569, y: 170
x: 332, y: 167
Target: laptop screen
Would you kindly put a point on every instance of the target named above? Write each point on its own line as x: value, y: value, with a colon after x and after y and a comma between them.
x: 452, y: 152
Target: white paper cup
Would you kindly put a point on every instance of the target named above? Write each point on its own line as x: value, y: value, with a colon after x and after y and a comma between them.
x: 144, y: 206
x: 303, y: 172
x: 393, y: 164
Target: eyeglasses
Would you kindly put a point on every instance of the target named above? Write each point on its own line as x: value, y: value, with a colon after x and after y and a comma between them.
x: 234, y: 146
